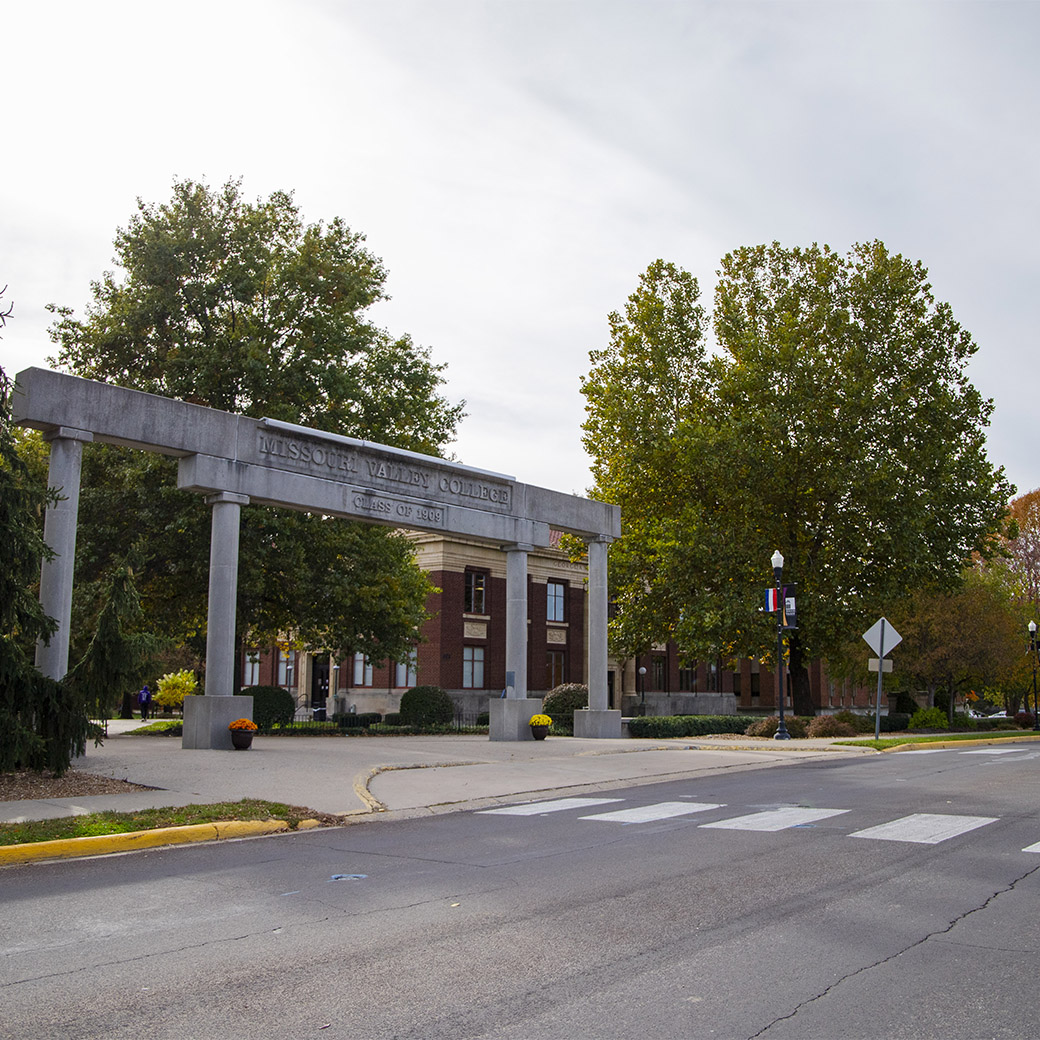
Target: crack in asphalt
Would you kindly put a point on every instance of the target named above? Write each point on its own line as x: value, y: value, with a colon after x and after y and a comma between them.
x: 938, y: 933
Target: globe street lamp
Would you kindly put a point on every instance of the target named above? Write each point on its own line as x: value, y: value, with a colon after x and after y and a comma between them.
x: 1032, y: 654
x: 778, y: 574
x: 642, y: 689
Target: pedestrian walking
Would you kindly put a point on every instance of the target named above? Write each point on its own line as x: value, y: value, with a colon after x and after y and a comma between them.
x: 144, y: 699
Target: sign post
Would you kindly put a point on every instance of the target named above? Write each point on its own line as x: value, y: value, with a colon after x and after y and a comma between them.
x: 881, y: 636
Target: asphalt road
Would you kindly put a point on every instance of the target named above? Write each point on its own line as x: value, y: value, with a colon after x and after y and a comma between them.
x: 806, y: 922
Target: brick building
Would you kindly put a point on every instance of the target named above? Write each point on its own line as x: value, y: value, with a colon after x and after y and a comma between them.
x: 463, y: 645
x: 463, y: 650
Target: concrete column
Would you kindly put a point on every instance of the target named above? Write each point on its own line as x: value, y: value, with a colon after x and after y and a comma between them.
x: 516, y: 618
x: 223, y: 592
x: 597, y: 641
x: 206, y: 718
x: 510, y: 716
x: 598, y: 720
x: 59, y: 532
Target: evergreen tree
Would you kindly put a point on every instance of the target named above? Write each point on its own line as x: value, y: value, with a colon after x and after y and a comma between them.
x: 42, y: 723
x: 117, y: 658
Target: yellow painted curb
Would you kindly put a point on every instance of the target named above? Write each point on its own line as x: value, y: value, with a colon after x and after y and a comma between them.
x: 102, y: 844
x: 372, y: 803
x: 1027, y: 735
x: 361, y: 781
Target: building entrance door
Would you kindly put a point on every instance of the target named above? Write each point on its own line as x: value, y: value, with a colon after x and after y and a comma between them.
x: 319, y: 684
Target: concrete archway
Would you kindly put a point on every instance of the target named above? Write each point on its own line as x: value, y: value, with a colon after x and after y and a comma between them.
x: 235, y: 460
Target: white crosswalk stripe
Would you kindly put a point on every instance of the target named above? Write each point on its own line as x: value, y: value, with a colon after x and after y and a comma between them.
x: 650, y: 813
x: 995, y: 751
x: 917, y: 828
x: 924, y: 828
x: 775, y: 819
x: 537, y: 808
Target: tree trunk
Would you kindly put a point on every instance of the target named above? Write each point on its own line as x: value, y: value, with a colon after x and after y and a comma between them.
x: 801, y: 691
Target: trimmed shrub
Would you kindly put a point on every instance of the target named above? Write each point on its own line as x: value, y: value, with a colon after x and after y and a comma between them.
x: 356, y: 720
x: 859, y: 723
x: 173, y: 687
x: 906, y: 703
x: 895, y: 722
x: 484, y: 718
x: 684, y: 725
x: 1024, y: 719
x: 561, y: 702
x: 929, y: 718
x: 426, y: 706
x: 832, y: 726
x: 272, y: 706
x: 990, y: 724
x: 796, y: 726
x: 308, y: 729
x: 392, y: 718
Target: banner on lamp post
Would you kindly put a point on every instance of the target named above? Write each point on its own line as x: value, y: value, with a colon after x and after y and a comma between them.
x: 784, y: 601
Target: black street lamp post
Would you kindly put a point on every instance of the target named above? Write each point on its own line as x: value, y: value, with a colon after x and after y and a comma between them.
x: 778, y: 574
x: 1032, y: 654
x: 641, y: 674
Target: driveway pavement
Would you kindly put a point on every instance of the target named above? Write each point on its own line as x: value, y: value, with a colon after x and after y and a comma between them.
x: 358, y: 776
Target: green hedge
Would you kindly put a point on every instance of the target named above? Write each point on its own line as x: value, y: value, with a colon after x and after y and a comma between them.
x: 686, y: 725
x: 426, y: 706
x: 560, y: 704
x: 357, y: 720
x: 272, y: 706
x: 307, y: 729
x: 991, y: 724
x: 929, y: 718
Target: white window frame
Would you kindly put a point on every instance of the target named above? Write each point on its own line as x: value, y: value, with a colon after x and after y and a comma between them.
x: 251, y: 670
x: 475, y: 591
x: 473, y: 667
x: 555, y: 601
x: 287, y: 669
x: 362, y: 670
x: 406, y: 673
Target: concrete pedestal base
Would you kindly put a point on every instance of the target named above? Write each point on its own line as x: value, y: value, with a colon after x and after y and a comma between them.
x: 511, y: 717
x: 599, y: 724
x: 206, y: 720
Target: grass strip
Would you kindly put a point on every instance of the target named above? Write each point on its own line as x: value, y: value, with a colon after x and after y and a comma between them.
x: 92, y: 824
x: 161, y: 727
x: 934, y: 738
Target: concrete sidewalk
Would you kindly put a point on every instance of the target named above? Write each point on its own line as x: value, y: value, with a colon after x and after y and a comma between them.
x: 358, y: 776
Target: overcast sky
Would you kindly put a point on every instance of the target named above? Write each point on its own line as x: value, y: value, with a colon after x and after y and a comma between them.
x: 518, y: 163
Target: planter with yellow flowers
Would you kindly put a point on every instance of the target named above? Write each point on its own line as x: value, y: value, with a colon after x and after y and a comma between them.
x: 540, y: 726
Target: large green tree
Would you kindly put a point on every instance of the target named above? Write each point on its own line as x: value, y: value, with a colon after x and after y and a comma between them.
x: 1023, y: 548
x: 242, y: 306
x: 972, y: 637
x: 831, y: 418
